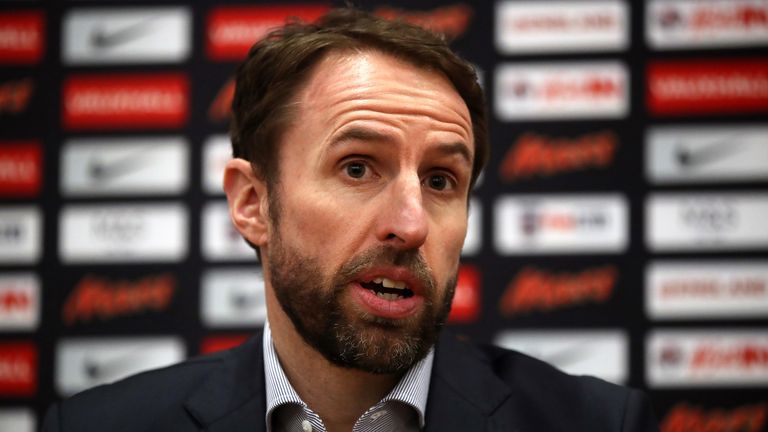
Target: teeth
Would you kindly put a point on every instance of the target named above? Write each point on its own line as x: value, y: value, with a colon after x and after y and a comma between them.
x: 378, y: 280
x: 387, y: 296
x: 389, y: 283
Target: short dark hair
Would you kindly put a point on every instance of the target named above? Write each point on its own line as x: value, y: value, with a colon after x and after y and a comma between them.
x: 269, y: 78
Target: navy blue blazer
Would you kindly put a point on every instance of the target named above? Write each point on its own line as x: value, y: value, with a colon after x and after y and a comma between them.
x: 472, y: 389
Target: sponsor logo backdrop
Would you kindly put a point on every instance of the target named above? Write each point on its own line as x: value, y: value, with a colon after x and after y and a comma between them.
x: 619, y: 230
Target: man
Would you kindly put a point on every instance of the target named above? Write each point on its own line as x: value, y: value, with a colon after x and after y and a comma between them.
x: 356, y: 143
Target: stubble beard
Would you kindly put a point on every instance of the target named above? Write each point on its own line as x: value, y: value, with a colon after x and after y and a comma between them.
x: 351, y: 338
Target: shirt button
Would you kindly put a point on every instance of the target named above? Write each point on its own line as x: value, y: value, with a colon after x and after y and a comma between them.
x: 375, y: 416
x: 306, y: 426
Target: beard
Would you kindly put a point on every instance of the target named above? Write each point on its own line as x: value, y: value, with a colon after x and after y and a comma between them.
x: 348, y: 337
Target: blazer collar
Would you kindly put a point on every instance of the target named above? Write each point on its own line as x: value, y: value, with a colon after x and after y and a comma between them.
x: 465, y: 392
x: 232, y: 398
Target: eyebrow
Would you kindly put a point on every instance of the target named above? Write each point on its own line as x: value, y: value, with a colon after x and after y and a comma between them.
x: 369, y: 135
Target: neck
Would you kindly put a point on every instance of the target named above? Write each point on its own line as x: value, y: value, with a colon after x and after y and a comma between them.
x: 338, y: 395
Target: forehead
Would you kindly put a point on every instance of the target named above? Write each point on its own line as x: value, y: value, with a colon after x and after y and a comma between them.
x: 350, y: 83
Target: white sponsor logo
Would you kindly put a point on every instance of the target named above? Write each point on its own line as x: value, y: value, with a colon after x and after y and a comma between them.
x: 541, y: 224
x: 20, y: 235
x: 17, y: 420
x: 84, y: 363
x: 524, y: 27
x: 474, y: 239
x: 706, y: 221
x: 111, y: 35
x: 95, y: 167
x: 123, y: 233
x: 706, y: 23
x: 564, y: 90
x: 19, y: 301
x: 221, y: 241
x: 691, y: 358
x: 707, y: 154
x: 233, y: 297
x: 217, y: 151
x: 601, y: 353
x: 719, y: 289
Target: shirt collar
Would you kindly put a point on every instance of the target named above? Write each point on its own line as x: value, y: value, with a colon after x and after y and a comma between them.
x: 412, y: 389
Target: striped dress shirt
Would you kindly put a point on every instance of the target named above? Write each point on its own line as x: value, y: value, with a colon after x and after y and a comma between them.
x: 401, y: 410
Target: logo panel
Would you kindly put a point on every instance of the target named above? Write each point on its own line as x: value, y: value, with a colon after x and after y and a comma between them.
x: 535, y: 290
x: 84, y: 363
x: 467, y: 300
x: 451, y: 21
x: 101, y: 166
x: 98, y: 299
x: 474, y: 238
x: 123, y: 233
x: 22, y: 37
x: 19, y: 301
x: 565, y: 90
x: 707, y: 87
x: 18, y: 369
x: 217, y: 151
x: 117, y: 35
x: 233, y: 297
x: 125, y: 101
x: 20, y: 169
x: 600, y: 353
x: 706, y: 23
x: 17, y: 420
x: 535, y: 155
x: 684, y: 418
x: 706, y: 290
x: 220, y: 240
x: 707, y: 154
x: 547, y: 224
x: 530, y: 27
x: 21, y: 235
x: 232, y: 30
x: 706, y: 221
x: 707, y: 358
x: 16, y: 96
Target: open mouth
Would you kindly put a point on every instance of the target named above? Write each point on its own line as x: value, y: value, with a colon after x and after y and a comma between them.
x: 388, y: 289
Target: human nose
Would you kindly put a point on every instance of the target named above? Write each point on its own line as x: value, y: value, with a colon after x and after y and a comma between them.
x: 403, y: 220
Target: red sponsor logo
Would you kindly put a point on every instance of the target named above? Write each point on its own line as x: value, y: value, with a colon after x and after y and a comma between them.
x: 18, y: 369
x: 537, y: 290
x: 685, y: 418
x: 537, y: 155
x: 99, y: 299
x: 22, y: 37
x: 126, y: 101
x: 467, y: 299
x: 591, y: 87
x: 451, y: 21
x: 221, y: 343
x: 221, y: 107
x: 12, y: 301
x: 745, y: 357
x: 744, y: 16
x: 20, y: 168
x: 707, y: 87
x: 15, y: 96
x: 711, y: 288
x: 232, y: 30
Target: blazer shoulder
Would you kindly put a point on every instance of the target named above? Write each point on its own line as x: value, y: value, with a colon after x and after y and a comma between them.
x: 137, y: 402
x: 547, y: 392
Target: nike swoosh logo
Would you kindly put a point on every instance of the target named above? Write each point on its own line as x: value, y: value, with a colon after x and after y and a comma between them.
x: 101, y: 38
x: 691, y: 158
x: 100, y: 170
x: 98, y: 369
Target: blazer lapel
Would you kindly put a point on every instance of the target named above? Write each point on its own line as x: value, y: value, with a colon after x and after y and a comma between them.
x: 232, y: 398
x: 464, y: 392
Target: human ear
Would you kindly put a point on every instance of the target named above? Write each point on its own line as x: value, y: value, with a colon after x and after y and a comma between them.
x: 247, y: 198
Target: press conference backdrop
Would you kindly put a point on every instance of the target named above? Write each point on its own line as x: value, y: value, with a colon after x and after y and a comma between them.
x: 620, y: 229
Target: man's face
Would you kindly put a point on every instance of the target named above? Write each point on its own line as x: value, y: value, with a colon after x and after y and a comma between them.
x: 370, y: 210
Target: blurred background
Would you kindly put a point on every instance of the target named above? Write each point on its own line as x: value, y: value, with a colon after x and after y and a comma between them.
x: 619, y: 230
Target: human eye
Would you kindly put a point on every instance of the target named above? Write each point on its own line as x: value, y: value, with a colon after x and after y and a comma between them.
x: 440, y: 181
x: 355, y: 169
